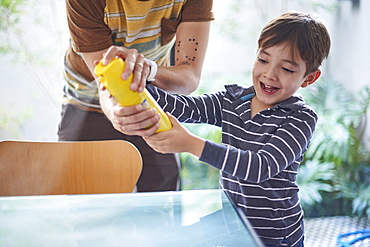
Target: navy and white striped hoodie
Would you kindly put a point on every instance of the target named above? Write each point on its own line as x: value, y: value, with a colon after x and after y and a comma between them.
x: 258, y: 158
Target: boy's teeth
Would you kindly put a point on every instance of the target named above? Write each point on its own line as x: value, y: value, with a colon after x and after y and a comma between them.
x: 269, y: 88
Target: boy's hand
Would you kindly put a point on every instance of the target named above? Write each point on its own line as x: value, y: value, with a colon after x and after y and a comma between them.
x: 176, y: 140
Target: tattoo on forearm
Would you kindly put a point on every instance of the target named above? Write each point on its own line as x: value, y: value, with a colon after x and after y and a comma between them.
x: 188, y: 58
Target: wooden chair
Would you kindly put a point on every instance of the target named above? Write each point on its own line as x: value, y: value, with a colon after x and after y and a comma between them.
x: 52, y: 168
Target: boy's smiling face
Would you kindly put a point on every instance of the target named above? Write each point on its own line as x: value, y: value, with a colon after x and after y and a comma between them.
x: 277, y: 76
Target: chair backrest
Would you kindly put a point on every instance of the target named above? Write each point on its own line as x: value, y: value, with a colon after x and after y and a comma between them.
x: 54, y: 168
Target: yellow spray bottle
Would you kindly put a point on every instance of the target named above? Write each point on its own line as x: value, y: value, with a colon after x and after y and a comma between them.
x: 110, y: 77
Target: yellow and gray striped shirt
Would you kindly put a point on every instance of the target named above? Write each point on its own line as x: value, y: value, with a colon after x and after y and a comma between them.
x: 147, y: 26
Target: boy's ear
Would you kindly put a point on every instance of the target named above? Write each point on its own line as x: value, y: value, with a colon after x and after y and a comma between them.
x: 311, y: 78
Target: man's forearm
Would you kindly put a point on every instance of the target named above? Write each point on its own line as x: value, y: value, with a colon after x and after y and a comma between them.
x: 177, y: 79
x: 190, y: 49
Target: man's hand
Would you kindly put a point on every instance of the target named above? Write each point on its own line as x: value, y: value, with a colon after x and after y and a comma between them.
x: 134, y: 63
x: 130, y: 120
x: 176, y: 140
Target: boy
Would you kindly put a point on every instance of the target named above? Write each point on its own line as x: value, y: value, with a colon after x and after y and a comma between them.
x: 265, y: 128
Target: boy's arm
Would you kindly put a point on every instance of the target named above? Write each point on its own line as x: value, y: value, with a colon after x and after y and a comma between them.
x: 176, y: 140
x: 190, y: 109
x: 205, y: 108
x: 285, y: 147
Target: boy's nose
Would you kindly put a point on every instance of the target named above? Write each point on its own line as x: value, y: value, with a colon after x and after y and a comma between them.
x: 270, y: 73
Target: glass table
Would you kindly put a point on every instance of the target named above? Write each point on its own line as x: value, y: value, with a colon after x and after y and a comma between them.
x: 182, y: 218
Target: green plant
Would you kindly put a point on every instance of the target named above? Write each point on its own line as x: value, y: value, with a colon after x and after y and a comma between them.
x: 15, y: 44
x: 314, y: 177
x: 194, y: 173
x: 11, y: 121
x: 356, y: 189
x: 339, y: 139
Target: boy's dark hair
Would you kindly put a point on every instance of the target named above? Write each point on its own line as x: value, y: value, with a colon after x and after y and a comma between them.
x: 303, y: 33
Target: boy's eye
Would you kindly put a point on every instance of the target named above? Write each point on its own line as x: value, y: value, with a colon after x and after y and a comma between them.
x: 262, y: 60
x: 288, y: 70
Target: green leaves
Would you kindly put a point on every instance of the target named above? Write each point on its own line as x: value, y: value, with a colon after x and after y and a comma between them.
x: 314, y: 177
x: 362, y: 202
x: 10, y: 14
x: 11, y: 121
x: 338, y: 140
x: 194, y: 173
